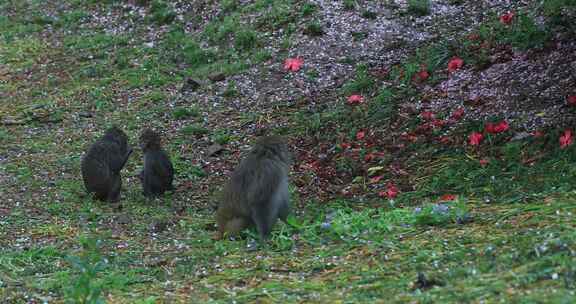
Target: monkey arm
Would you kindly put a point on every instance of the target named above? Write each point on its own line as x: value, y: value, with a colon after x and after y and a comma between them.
x: 117, y: 161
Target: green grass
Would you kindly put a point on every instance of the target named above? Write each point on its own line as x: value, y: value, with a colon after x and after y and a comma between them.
x: 509, y: 236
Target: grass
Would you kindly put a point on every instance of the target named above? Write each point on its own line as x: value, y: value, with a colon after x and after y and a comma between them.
x: 508, y: 235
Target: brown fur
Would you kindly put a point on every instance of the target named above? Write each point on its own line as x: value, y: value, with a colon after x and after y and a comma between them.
x: 257, y: 192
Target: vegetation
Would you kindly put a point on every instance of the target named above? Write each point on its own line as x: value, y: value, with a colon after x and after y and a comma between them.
x: 392, y: 203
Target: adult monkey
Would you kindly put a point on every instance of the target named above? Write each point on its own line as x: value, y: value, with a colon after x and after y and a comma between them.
x: 102, y: 164
x: 257, y: 192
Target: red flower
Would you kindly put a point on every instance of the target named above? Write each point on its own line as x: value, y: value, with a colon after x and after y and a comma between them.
x: 447, y: 197
x: 566, y: 139
x: 500, y: 127
x: 427, y: 115
x: 390, y: 192
x: 293, y: 64
x: 360, y: 135
x: 571, y: 100
x: 438, y: 123
x: 489, y: 128
x: 355, y: 99
x: 507, y: 18
x: 455, y: 64
x: 475, y: 138
x: 458, y: 114
x: 369, y: 157
x: 445, y: 140
x: 423, y: 75
x: 537, y: 134
x: 411, y: 137
x: 483, y: 162
x: 345, y: 146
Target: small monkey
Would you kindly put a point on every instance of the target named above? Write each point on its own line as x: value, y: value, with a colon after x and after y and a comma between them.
x: 257, y: 192
x: 102, y: 164
x: 158, y: 173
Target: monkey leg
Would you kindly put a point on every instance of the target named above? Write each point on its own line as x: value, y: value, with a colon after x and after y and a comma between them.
x: 284, y: 210
x: 264, y: 219
x: 235, y: 225
x: 115, y: 185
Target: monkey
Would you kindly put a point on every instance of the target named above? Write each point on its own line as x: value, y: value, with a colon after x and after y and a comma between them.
x: 257, y: 192
x: 158, y: 173
x: 102, y: 163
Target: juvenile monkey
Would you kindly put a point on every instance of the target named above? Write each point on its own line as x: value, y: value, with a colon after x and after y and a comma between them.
x: 257, y: 192
x: 158, y: 173
x: 102, y: 164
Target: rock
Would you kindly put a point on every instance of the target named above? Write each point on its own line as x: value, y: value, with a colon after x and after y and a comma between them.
x: 159, y: 225
x: 190, y: 85
x: 215, y: 77
x: 214, y: 149
x: 85, y: 114
x: 123, y: 219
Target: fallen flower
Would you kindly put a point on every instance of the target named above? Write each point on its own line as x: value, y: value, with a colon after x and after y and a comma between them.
x: 475, y: 138
x: 293, y: 64
x: 445, y: 140
x: 507, y: 18
x: 571, y: 100
x: 427, y: 115
x: 447, y: 197
x: 345, y: 146
x: 355, y: 99
x: 566, y: 139
x: 500, y: 127
x: 455, y: 64
x: 458, y: 114
x: 537, y: 134
x: 423, y: 75
x: 390, y: 192
x: 483, y: 162
x: 360, y: 135
x: 369, y: 157
x: 438, y: 123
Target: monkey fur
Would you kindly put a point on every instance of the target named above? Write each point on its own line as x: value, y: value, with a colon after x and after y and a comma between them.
x: 257, y: 192
x: 158, y: 173
x: 102, y: 163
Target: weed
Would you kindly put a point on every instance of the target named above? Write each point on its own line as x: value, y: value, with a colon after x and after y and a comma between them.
x: 358, y: 36
x: 362, y: 82
x: 441, y: 214
x: 419, y: 7
x: 314, y: 28
x: 186, y: 112
x: 195, y: 130
x: 86, y: 288
x: 231, y: 90
x: 369, y: 15
x: 308, y: 9
x: 245, y: 40
x: 350, y: 4
x: 262, y: 55
x: 161, y: 13
x: 221, y: 137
